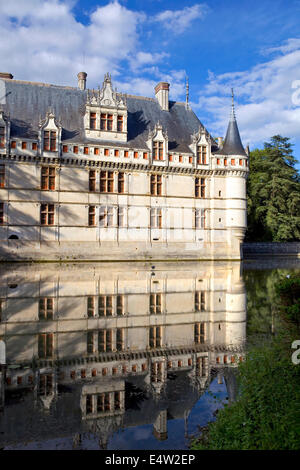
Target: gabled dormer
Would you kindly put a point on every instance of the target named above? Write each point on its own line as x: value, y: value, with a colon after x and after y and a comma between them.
x: 106, y: 113
x: 201, y: 146
x: 49, y: 135
x: 4, y: 132
x: 158, y: 145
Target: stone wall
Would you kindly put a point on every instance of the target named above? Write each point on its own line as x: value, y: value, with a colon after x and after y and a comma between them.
x: 271, y: 249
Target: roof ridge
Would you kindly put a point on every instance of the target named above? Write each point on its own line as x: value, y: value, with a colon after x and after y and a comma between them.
x: 10, y: 80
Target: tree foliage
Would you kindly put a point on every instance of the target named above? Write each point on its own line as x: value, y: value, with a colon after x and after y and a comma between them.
x: 273, y: 193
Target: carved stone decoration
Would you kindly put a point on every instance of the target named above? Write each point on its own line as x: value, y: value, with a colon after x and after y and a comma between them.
x: 5, y: 122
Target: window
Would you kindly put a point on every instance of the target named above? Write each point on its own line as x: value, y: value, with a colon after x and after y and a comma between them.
x: 155, y: 303
x: 106, y: 152
x: 201, y: 154
x: 105, y: 341
x: 156, y: 185
x: 46, y: 308
x: 180, y: 159
x: 121, y: 216
x: 45, y: 345
x: 200, y: 301
x: 120, y: 304
x: 158, y: 150
x: 45, y: 384
x: 90, y: 342
x: 105, y: 308
x: 171, y: 158
x: 201, y: 366
x: 92, y: 216
x: 156, y: 372
x: 106, y: 216
x: 47, y: 214
x: 120, y: 123
x: 2, y: 137
x: 121, y: 181
x: 155, y: 218
x: 48, y: 178
x: 34, y: 146
x: 199, y: 333
x: 190, y: 159
x: 117, y: 400
x: 65, y: 149
x: 145, y: 156
x: 106, y: 182
x: 120, y: 339
x: 75, y: 149
x: 240, y: 162
x: 225, y: 161
x: 199, y: 187
x: 155, y: 340
x: 13, y: 144
x: 218, y: 161
x: 106, y: 123
x: 96, y: 151
x: 92, y: 180
x: 232, y: 161
x: 136, y: 154
x: 2, y: 176
x: 91, y: 307
x: 116, y: 153
x: 86, y: 150
x: 92, y: 120
x: 1, y: 213
x: 126, y: 153
x: 24, y: 145
x: 200, y: 218
x: 50, y: 141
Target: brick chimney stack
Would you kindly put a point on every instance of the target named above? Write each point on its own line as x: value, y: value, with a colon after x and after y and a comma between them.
x: 82, y: 80
x: 162, y: 95
x: 9, y: 76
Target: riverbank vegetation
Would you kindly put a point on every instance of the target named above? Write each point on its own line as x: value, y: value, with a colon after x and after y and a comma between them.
x: 273, y: 193
x: 266, y: 414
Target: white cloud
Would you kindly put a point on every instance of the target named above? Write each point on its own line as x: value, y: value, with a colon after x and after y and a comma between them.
x: 179, y: 20
x: 264, y: 104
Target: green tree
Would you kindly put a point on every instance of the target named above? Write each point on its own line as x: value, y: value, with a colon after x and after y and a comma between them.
x: 273, y: 193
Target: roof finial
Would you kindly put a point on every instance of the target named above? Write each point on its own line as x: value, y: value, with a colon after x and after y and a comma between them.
x: 187, y: 92
x: 232, y: 105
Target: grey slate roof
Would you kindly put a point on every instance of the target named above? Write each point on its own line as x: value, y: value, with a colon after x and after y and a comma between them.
x: 27, y: 102
x: 232, y: 144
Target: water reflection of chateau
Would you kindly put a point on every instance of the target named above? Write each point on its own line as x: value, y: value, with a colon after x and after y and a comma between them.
x: 104, y: 347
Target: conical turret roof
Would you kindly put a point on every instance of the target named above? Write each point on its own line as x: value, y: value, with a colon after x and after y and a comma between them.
x: 232, y: 144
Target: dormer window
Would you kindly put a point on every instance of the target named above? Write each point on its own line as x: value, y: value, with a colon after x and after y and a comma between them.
x: 201, y: 154
x: 92, y: 120
x: 158, y: 150
x: 106, y: 122
x: 50, y: 141
x: 120, y: 124
x: 2, y: 137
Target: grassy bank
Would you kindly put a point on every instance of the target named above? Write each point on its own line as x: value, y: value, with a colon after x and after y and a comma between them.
x: 266, y: 414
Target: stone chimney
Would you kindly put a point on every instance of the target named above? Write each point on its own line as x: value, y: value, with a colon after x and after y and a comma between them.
x: 220, y: 142
x: 82, y: 80
x: 9, y: 76
x: 162, y: 95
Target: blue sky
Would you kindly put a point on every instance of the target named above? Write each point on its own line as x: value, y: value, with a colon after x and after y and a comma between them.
x: 253, y: 47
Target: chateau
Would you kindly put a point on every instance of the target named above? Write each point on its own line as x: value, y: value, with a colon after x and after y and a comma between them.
x: 101, y: 175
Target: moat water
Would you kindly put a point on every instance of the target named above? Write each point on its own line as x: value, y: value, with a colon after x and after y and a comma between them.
x: 155, y: 378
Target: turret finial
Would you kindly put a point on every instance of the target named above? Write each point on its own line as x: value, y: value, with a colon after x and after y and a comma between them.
x: 232, y: 105
x: 187, y: 92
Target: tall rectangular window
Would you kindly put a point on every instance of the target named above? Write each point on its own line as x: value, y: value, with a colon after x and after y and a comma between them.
x: 120, y: 339
x: 158, y: 150
x: 92, y: 216
x: 45, y: 345
x: 120, y: 123
x: 48, y: 178
x: 92, y: 180
x: 50, y: 141
x: 47, y: 214
x: 91, y: 307
x: 155, y: 303
x: 120, y: 305
x: 1, y: 213
x: 200, y: 187
x: 200, y: 218
x: 105, y: 308
x: 156, y: 185
x: 155, y: 339
x: 156, y: 218
x: 46, y: 308
x: 106, y: 216
x: 92, y: 120
x: 156, y: 372
x: 106, y: 181
x: 45, y: 384
x: 199, y: 333
x: 105, y: 340
x: 2, y: 176
x: 2, y: 137
x: 121, y: 216
x: 200, y: 301
x: 121, y: 182
x: 90, y: 342
x: 106, y: 123
x: 201, y: 154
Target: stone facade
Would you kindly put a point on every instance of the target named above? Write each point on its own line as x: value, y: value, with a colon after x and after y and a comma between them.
x: 99, y: 175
